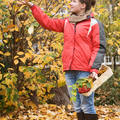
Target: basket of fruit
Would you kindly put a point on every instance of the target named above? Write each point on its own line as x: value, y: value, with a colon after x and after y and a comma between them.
x: 87, y: 85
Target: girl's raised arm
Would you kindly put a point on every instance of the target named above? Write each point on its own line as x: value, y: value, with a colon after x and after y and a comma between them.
x: 43, y: 19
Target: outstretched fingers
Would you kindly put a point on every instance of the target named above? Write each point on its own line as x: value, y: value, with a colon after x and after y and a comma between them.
x: 25, y: 2
x: 20, y: 2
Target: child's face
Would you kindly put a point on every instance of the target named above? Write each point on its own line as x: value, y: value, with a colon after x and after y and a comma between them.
x: 76, y: 7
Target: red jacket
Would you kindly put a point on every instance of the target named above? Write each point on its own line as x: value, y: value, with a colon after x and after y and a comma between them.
x: 84, y: 43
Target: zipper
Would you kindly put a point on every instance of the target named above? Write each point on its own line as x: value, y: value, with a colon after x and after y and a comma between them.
x: 74, y: 41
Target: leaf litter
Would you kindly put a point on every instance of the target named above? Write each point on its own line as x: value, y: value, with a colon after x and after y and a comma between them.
x: 29, y: 111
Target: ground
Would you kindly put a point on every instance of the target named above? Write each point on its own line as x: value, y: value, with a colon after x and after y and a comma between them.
x: 53, y: 112
x: 29, y: 111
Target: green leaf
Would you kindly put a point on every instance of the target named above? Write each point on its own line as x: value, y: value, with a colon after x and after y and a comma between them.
x: 9, y: 90
x: 70, y: 86
x: 80, y: 80
x: 88, y: 84
x: 74, y: 87
x: 72, y: 92
x: 16, y: 96
x: 80, y: 84
x: 14, y: 79
x: 8, y: 98
x: 73, y: 98
x: 16, y: 91
x: 14, y: 74
x: 1, y: 108
x: 7, y: 110
x: 31, y: 80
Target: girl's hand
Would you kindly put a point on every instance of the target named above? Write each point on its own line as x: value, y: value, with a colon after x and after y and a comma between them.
x: 94, y: 75
x: 25, y: 2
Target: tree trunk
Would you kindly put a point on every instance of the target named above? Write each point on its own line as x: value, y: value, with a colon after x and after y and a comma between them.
x: 61, y: 97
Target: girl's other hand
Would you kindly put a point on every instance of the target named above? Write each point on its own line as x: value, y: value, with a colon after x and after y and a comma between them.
x: 25, y: 2
x: 94, y: 75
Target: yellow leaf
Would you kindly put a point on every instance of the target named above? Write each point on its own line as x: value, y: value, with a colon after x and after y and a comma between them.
x: 16, y: 57
x: 30, y: 51
x: 93, y: 9
x: 27, y: 74
x: 28, y: 55
x: 2, y: 87
x: 1, y: 52
x: 0, y: 76
x: 7, y: 74
x: 21, y: 69
x: 20, y: 53
x: 0, y: 43
x: 34, y: 117
x: 118, y: 4
x: 9, y: 103
x: 2, y: 92
x: 16, y: 61
x: 35, y: 60
x: 9, y: 36
x: 23, y: 59
x: 61, y: 81
x: 0, y: 16
x: 30, y: 43
x: 106, y: 118
x: 20, y: 92
x: 8, y: 81
x: 17, y: 40
x: 59, y: 62
x: 31, y: 29
x: 27, y: 38
x: 119, y: 51
x: 49, y: 87
x: 5, y: 41
x: 74, y: 114
x: 3, y: 118
x: 7, y: 54
x: 110, y: 42
x: 116, y: 44
x: 118, y: 41
x: 92, y: 85
x: 12, y: 29
x: 21, y: 7
x: 69, y: 107
x: 16, y: 28
x: 1, y: 35
x: 10, y: 69
x: 48, y: 59
x: 2, y: 64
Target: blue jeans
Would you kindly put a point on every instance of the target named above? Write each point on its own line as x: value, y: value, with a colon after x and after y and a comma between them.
x: 83, y: 103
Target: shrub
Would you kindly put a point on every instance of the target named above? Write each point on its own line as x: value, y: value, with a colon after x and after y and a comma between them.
x: 109, y: 92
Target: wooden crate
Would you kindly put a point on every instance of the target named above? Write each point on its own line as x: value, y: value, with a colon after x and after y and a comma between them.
x: 104, y: 77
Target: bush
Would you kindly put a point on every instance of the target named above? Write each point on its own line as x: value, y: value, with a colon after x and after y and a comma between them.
x: 21, y: 50
x: 109, y: 92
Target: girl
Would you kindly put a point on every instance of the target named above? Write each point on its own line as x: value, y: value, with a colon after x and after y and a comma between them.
x: 84, y: 48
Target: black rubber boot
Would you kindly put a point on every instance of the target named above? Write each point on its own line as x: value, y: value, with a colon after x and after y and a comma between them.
x: 80, y: 116
x: 91, y: 116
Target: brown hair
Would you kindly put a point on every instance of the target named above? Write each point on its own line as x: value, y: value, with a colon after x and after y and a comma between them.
x: 89, y: 3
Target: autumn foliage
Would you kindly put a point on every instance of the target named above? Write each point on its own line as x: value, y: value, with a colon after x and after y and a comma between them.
x: 108, y: 13
x: 30, y: 56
